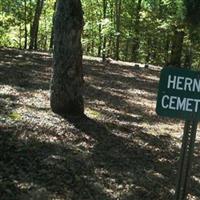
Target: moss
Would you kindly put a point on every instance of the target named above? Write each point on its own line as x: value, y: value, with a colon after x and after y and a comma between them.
x: 93, y: 113
x: 15, y: 116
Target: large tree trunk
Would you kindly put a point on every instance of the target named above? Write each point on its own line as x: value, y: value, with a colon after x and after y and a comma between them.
x: 177, y: 45
x: 35, y: 25
x: 67, y: 80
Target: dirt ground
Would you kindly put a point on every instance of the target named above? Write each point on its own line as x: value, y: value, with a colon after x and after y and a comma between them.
x: 121, y: 151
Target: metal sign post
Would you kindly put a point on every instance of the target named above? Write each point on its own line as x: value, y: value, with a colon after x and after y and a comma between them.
x: 186, y: 159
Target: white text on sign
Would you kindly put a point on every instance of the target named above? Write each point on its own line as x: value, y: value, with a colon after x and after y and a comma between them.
x: 177, y: 103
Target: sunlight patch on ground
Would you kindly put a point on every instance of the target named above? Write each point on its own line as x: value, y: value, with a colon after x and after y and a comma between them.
x: 7, y: 89
x: 152, y: 78
x: 163, y: 128
x: 93, y: 113
x: 133, y: 156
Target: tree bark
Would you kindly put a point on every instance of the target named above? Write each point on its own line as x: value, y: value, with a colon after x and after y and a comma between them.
x: 167, y: 48
x: 25, y: 25
x: 136, y: 39
x: 126, y: 49
x: 20, y: 36
x: 188, y: 58
x: 118, y: 20
x: 176, y: 51
x: 35, y: 25
x: 67, y: 80
x: 104, y: 37
x: 52, y: 29
x: 100, y: 41
x: 149, y: 48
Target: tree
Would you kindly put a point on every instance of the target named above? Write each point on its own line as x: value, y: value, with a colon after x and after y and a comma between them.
x: 104, y: 37
x: 25, y: 25
x: 177, y: 46
x: 158, y: 32
x: 192, y: 12
x: 52, y: 31
x: 35, y: 25
x: 136, y: 40
x: 67, y: 80
x: 118, y: 20
x: 192, y: 15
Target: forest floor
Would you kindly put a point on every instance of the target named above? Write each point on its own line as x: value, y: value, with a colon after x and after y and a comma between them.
x: 121, y: 151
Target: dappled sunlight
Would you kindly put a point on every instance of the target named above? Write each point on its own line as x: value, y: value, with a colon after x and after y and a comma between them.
x: 119, y: 150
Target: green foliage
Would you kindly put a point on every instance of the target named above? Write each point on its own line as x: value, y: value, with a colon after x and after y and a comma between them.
x: 192, y: 12
x: 146, y: 28
x: 46, y: 23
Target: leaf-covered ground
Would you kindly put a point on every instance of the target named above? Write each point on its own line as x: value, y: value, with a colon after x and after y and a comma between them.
x: 121, y: 151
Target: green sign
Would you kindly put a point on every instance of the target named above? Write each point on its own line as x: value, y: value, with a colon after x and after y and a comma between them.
x: 179, y: 94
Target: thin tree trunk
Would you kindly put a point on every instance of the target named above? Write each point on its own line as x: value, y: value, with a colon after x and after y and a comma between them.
x: 126, y: 49
x: 154, y: 52
x: 100, y: 41
x: 25, y: 25
x: 176, y: 51
x: 104, y: 37
x: 20, y: 36
x: 51, y: 39
x: 188, y: 57
x: 136, y: 39
x: 104, y: 49
x: 167, y: 47
x: 149, y: 47
x: 35, y: 25
x: 111, y: 42
x: 52, y: 29
x: 67, y: 80
x: 118, y: 19
x: 92, y: 48
x: 109, y: 52
x: 45, y: 28
x: 88, y: 49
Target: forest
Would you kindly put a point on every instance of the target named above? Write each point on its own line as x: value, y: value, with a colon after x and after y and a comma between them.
x: 86, y: 89
x: 158, y: 32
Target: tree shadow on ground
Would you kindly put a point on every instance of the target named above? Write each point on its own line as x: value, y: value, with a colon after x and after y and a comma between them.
x: 128, y: 76
x: 134, y: 163
x: 7, y: 103
x: 40, y: 170
x: 24, y: 69
x: 115, y: 159
x: 118, y: 103
x: 150, y: 163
